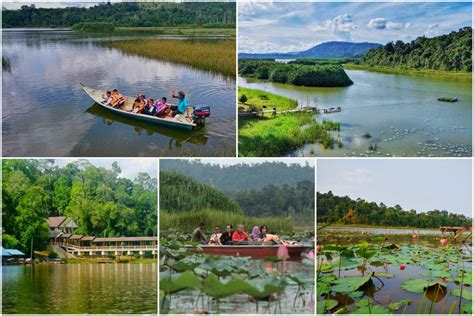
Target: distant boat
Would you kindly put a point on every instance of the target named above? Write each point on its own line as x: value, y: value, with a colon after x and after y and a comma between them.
x: 447, y: 99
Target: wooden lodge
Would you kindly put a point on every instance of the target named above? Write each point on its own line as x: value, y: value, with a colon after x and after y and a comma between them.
x: 63, y: 235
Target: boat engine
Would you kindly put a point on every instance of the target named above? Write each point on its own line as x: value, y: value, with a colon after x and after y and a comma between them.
x: 200, y: 112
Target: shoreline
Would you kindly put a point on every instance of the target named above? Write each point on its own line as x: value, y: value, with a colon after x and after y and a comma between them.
x: 411, y: 72
x: 376, y: 226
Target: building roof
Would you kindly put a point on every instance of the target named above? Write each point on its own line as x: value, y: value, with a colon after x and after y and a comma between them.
x: 76, y: 237
x: 65, y: 236
x: 88, y: 238
x: 11, y: 252
x: 55, y: 221
x: 69, y: 223
x: 120, y: 239
x: 55, y: 233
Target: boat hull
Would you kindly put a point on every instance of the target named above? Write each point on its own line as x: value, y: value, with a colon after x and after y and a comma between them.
x: 124, y: 111
x: 256, y: 252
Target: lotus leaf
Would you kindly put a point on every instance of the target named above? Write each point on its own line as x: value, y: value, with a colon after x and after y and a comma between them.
x: 171, y: 284
x: 466, y: 308
x: 300, y: 278
x: 346, y: 264
x: 356, y: 294
x: 335, y: 248
x: 323, y: 288
x: 418, y: 285
x: 371, y: 309
x: 396, y: 305
x: 326, y: 268
x: 263, y: 288
x: 466, y: 280
x: 441, y: 274
x: 308, y: 262
x: 466, y: 294
x: 220, y: 289
x: 326, y: 305
x: 384, y: 274
x: 349, y: 284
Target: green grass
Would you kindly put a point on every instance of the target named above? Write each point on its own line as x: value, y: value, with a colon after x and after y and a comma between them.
x: 215, y: 56
x: 188, y: 221
x: 273, y: 137
x: 188, y: 31
x: 414, y: 72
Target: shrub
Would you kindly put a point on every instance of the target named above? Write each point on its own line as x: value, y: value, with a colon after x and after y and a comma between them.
x: 243, y: 98
x: 94, y: 27
x: 52, y: 254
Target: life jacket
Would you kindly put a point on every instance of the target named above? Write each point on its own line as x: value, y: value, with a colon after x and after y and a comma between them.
x: 117, y: 98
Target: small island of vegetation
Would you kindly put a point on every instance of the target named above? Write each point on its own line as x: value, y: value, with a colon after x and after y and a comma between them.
x: 309, y: 73
x: 279, y: 135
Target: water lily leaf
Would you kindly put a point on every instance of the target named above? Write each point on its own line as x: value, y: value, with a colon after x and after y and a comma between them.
x: 396, y: 305
x: 466, y: 308
x: 171, y: 284
x: 350, y: 283
x: 326, y: 268
x: 356, y: 294
x: 441, y: 274
x: 363, y: 303
x: 346, y: 264
x: 326, y: 305
x: 322, y: 288
x: 384, y: 274
x: 418, y: 285
x: 466, y: 294
x: 371, y: 309
x: 263, y: 288
x: 466, y: 280
x: 378, y: 239
x: 220, y: 289
x: 308, y: 262
x: 300, y: 278
x: 335, y: 248
x: 328, y: 278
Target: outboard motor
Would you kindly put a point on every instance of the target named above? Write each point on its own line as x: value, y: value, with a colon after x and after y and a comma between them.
x: 200, y: 112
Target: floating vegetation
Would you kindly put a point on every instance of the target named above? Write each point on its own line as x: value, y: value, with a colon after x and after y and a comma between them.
x: 192, y: 282
x: 425, y: 278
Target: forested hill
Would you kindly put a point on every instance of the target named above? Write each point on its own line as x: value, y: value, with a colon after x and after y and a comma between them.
x: 450, y: 52
x: 102, y: 203
x: 333, y: 49
x: 239, y: 177
x: 181, y: 193
x: 344, y: 210
x: 126, y: 14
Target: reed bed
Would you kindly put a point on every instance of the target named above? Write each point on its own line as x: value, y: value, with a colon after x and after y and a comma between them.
x: 188, y: 221
x: 216, y: 56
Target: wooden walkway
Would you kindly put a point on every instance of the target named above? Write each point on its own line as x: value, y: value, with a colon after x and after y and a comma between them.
x: 456, y: 230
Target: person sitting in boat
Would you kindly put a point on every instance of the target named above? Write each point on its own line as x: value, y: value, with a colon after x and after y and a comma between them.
x: 226, y: 238
x: 162, y: 107
x: 216, y: 237
x: 263, y: 231
x: 198, y: 234
x: 240, y: 236
x: 117, y: 99
x: 139, y: 104
x: 150, y: 109
x: 107, y: 98
x: 255, y: 235
x: 182, y: 103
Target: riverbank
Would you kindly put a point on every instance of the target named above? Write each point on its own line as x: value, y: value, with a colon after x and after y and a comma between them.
x: 217, y: 56
x: 188, y: 31
x: 375, y: 226
x: 278, y: 136
x: 411, y: 72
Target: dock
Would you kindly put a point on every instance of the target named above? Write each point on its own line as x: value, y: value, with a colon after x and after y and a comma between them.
x: 456, y: 230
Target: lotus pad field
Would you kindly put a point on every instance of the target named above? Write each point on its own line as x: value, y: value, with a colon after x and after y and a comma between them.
x: 379, y: 276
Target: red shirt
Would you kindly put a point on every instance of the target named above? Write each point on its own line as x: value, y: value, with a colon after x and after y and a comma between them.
x: 240, y: 236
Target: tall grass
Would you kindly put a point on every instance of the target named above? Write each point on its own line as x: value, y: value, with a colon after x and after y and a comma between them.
x: 188, y: 221
x: 216, y: 56
x: 258, y: 98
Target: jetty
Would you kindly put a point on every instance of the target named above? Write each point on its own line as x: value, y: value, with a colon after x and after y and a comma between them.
x: 456, y: 230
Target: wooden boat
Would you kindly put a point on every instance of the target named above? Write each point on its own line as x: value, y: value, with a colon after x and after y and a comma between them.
x: 254, y: 251
x: 96, y: 95
x: 447, y: 99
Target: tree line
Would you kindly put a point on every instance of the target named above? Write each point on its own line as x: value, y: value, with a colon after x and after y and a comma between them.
x: 100, y: 202
x: 298, y: 74
x: 449, y: 52
x: 344, y: 210
x: 240, y: 177
x: 126, y: 14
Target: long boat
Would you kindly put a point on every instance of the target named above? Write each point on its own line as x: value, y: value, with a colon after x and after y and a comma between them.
x: 125, y: 110
x: 254, y: 251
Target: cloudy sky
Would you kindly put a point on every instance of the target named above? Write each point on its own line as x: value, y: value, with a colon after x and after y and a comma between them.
x: 130, y: 167
x: 420, y: 184
x: 285, y: 27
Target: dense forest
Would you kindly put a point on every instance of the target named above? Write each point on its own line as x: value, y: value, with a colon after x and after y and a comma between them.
x: 126, y: 14
x: 266, y: 198
x: 450, y: 52
x: 240, y: 177
x: 101, y: 202
x: 333, y: 49
x: 344, y: 210
x: 314, y: 75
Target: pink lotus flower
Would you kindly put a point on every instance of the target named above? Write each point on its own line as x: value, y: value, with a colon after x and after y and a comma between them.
x: 282, y: 253
x: 443, y: 242
x: 402, y: 267
x: 310, y: 255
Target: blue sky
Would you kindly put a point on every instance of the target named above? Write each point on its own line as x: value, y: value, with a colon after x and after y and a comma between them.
x: 285, y: 27
x: 420, y: 184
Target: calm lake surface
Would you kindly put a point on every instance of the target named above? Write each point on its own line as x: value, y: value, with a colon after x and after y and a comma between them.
x: 46, y: 113
x: 80, y: 288
x: 382, y: 231
x: 399, y: 112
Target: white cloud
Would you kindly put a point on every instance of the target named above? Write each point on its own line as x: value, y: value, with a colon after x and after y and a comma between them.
x: 341, y: 26
x: 432, y: 30
x: 385, y: 24
x: 357, y: 177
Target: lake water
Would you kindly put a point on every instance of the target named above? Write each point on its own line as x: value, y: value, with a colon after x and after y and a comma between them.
x: 399, y: 112
x: 382, y: 231
x: 46, y: 113
x: 80, y: 288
